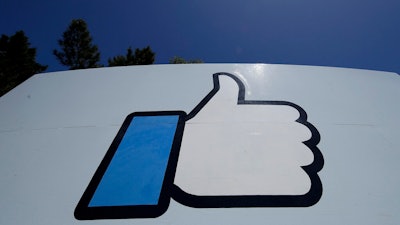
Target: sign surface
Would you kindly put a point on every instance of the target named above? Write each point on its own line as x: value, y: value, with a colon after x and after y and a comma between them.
x: 201, y: 144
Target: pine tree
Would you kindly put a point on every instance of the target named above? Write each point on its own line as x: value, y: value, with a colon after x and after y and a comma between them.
x: 77, y: 50
x: 17, y: 61
x: 144, y: 56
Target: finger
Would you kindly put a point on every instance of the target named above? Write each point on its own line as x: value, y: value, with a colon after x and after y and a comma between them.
x: 225, y: 94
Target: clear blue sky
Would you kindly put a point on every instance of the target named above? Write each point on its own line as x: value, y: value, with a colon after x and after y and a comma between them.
x: 346, y: 33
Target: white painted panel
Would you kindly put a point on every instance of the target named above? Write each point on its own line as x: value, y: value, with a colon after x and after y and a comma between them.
x: 55, y: 129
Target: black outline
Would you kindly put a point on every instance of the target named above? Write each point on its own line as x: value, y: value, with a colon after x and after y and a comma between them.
x: 84, y: 212
x: 305, y: 200
x: 169, y: 189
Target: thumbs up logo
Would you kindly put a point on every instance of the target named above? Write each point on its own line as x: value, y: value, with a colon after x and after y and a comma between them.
x: 227, y: 152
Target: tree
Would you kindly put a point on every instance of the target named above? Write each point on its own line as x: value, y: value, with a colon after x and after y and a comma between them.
x: 180, y: 60
x: 144, y: 56
x: 77, y: 50
x: 17, y: 61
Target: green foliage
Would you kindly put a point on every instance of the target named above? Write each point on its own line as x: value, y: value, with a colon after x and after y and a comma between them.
x: 77, y: 50
x: 144, y: 56
x: 17, y: 61
x: 180, y: 60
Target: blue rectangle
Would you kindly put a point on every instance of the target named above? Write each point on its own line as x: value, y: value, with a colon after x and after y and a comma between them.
x: 136, y: 172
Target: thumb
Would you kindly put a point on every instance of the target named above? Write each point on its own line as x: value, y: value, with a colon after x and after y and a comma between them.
x: 226, y: 93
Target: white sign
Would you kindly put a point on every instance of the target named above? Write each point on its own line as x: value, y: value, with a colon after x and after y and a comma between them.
x: 201, y: 144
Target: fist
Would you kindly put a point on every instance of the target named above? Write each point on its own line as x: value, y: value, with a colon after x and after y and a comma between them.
x: 232, y: 147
